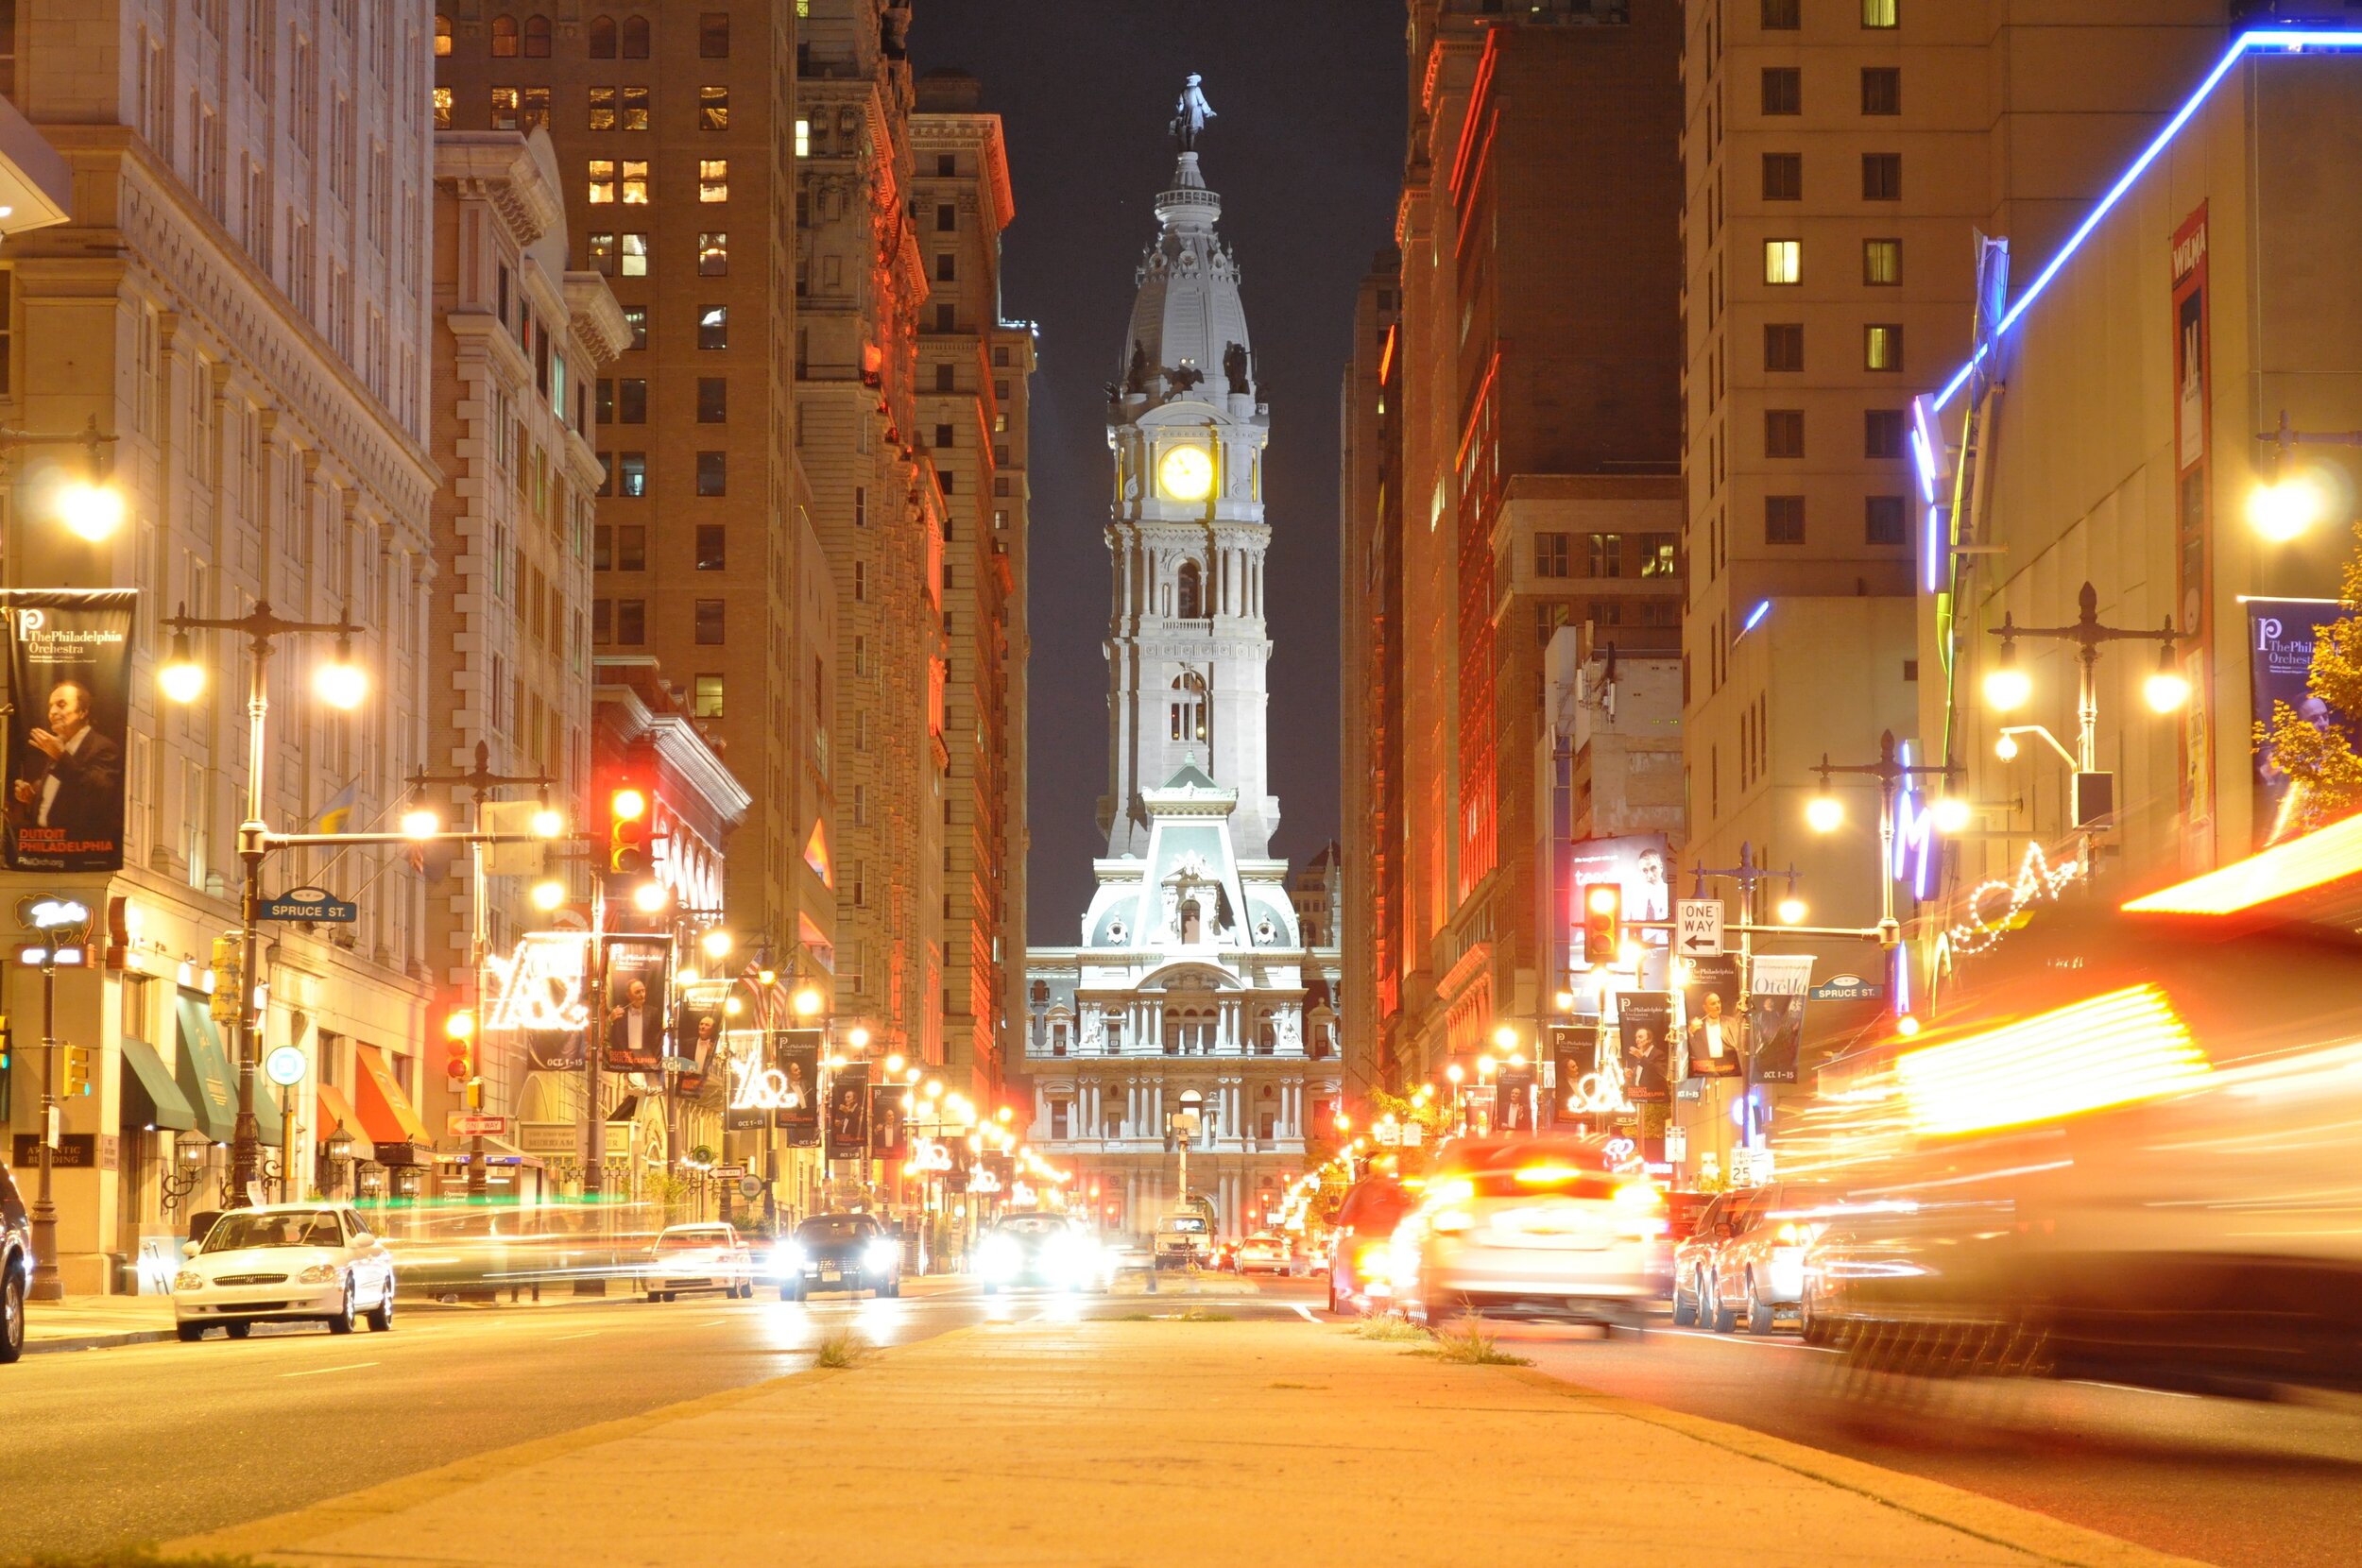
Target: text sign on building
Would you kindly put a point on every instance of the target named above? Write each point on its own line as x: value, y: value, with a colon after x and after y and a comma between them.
x: 311, y: 904
x: 1701, y: 922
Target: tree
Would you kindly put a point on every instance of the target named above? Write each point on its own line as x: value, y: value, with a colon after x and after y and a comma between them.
x: 2319, y: 756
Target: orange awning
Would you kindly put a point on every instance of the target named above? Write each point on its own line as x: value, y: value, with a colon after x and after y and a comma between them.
x: 387, y: 1113
x: 336, y: 1110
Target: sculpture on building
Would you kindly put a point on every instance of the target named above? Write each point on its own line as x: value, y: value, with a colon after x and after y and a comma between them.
x: 1190, y: 113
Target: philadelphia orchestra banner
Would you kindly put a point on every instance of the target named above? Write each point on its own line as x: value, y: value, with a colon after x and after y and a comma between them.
x: 69, y: 660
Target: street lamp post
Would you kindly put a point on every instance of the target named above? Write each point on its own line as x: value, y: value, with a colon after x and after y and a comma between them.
x: 1889, y: 772
x: 52, y: 918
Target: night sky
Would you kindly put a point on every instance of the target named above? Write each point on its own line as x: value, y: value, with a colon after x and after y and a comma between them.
x: 1305, y: 152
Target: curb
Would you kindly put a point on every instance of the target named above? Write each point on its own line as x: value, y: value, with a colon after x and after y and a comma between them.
x: 96, y: 1341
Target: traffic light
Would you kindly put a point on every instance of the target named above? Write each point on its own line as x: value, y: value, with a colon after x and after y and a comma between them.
x: 1602, y: 922
x: 459, y: 1046
x: 627, y: 810
x: 77, y: 1070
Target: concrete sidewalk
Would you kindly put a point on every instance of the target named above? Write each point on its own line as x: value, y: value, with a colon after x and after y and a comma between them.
x: 1163, y: 1443
x: 95, y: 1323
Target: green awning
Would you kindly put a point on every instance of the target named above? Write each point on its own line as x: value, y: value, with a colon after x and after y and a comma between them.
x: 170, y: 1106
x: 268, y: 1116
x: 212, y: 1088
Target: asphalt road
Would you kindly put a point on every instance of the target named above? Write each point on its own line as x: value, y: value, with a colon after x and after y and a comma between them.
x: 148, y: 1443
x: 2222, y: 1481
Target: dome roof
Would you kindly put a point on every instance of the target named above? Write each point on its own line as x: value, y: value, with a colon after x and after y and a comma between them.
x: 1189, y: 328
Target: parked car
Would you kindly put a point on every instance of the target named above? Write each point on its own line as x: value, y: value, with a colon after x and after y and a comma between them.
x: 1266, y: 1253
x: 1185, y: 1236
x: 1365, y: 1222
x: 1694, y: 1254
x: 1045, y: 1248
x: 283, y: 1263
x: 838, y: 1251
x: 1534, y: 1226
x: 16, y: 1267
x: 690, y: 1259
x: 1758, y: 1271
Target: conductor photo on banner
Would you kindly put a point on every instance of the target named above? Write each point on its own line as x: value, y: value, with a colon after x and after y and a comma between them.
x: 635, y: 1007
x: 67, y: 663
x: 1644, y: 1030
x: 1717, y: 1032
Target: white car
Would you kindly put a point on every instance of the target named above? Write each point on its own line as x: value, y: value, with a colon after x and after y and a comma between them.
x: 1266, y: 1253
x: 702, y: 1257
x: 284, y: 1263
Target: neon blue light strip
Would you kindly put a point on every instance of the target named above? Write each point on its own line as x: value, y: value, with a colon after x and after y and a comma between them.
x: 2290, y: 41
x: 1754, y: 617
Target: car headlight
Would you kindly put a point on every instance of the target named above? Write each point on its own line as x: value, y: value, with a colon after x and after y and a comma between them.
x: 320, y: 1273
x: 188, y: 1279
x: 999, y: 1258
x: 880, y: 1254
x: 787, y: 1261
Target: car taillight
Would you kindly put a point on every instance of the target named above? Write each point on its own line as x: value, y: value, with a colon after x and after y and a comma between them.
x: 1450, y: 1221
x: 1793, y: 1235
x: 1639, y: 1197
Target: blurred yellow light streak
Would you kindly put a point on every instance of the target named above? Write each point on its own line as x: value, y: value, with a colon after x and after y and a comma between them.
x: 2114, y: 1049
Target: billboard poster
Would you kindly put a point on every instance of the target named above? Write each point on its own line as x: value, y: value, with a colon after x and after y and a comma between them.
x: 1513, y: 1099
x: 796, y: 1053
x: 746, y: 1068
x: 1644, y: 1031
x: 1776, y: 990
x: 1641, y: 865
x: 848, y: 1113
x: 2193, y: 411
x: 696, y: 1043
x: 69, y: 673
x: 888, y: 1134
x: 1714, y: 1032
x: 1573, y: 1048
x: 638, y: 978
x: 2281, y: 634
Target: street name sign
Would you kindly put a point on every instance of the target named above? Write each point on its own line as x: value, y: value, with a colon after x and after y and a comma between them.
x: 311, y: 904
x: 1701, y: 928
x: 1848, y: 988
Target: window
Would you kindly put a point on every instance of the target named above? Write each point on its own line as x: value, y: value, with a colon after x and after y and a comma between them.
x: 602, y: 38
x: 1783, y: 90
x: 442, y: 35
x: 1606, y: 555
x: 635, y: 112
x: 713, y: 36
x: 602, y: 622
x: 1780, y: 16
x: 535, y: 115
x: 1882, y: 177
x: 1660, y: 556
x: 1882, y: 519
x: 946, y: 318
x: 503, y: 37
x: 1552, y: 555
x: 603, y: 109
x: 1882, y: 346
x: 1782, y: 262
x: 537, y: 38
x: 631, y: 473
x: 708, y: 622
x: 1782, y: 519
x: 443, y: 109
x: 714, y: 327
x: 713, y: 400
x: 945, y: 437
x: 631, y: 623
x: 631, y: 548
x: 1881, y: 89
x: 1784, y: 345
x: 1186, y: 711
x: 711, y: 553
x: 713, y: 179
x: 1882, y: 432
x: 947, y: 165
x: 861, y: 505
x: 602, y: 169
x: 947, y: 217
x: 625, y: 402
x: 635, y: 182
x: 861, y: 581
x: 803, y: 138
x: 714, y: 254
x: 946, y: 267
x: 1878, y: 13
x: 1190, y: 591
x: 1783, y: 433
x: 603, y: 549
x: 713, y: 473
x: 946, y: 378
x: 705, y: 699
x: 635, y: 38
x: 635, y: 320
x: 714, y: 109
x: 504, y: 110
x: 1783, y: 176
x: 1881, y: 263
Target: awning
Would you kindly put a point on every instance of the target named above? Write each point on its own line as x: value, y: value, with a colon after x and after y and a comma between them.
x: 168, y: 1106
x: 269, y: 1120
x: 625, y: 1109
x: 387, y: 1113
x: 336, y: 1110
x: 211, y: 1087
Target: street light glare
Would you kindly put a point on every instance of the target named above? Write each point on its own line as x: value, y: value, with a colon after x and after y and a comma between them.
x: 2007, y: 687
x: 1951, y: 815
x: 2167, y: 688
x: 183, y: 679
x: 1791, y: 910
x: 1825, y: 813
x: 548, y: 895
x: 340, y: 683
x: 716, y: 943
x: 1505, y: 1037
x: 2281, y: 510
x: 549, y: 822
x: 808, y: 1001
x: 2005, y: 748
x: 649, y: 897
x: 91, y: 512
x: 419, y: 822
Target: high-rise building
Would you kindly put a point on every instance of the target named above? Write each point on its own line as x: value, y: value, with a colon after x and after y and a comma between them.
x: 1195, y: 976
x: 1532, y: 392
x: 1369, y: 566
x: 674, y: 129
x: 242, y: 298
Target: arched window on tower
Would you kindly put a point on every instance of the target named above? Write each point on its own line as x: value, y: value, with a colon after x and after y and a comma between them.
x: 635, y: 38
x: 1188, y: 706
x: 503, y: 37
x: 602, y: 38
x: 442, y: 35
x: 1193, y: 605
x: 537, y: 38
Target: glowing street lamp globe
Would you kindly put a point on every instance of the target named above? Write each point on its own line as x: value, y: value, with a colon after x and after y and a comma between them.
x: 1825, y: 813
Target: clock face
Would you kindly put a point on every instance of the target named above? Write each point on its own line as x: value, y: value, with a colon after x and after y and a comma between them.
x: 1187, y: 473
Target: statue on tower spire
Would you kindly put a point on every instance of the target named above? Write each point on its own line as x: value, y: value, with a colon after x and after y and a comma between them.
x: 1190, y: 114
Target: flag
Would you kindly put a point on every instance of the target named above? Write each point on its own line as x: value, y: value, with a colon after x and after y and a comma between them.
x: 337, y: 815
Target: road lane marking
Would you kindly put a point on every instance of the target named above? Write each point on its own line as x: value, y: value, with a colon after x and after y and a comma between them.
x: 1304, y: 1312
x: 322, y: 1371
x: 584, y: 1335
x: 713, y: 1323
x: 2131, y: 1389
x: 1734, y: 1340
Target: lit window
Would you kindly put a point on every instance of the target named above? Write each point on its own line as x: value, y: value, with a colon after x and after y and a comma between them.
x: 504, y: 110
x: 442, y: 35
x: 636, y: 322
x: 631, y: 473
x: 706, y: 698
x: 635, y: 255
x: 714, y: 254
x: 1878, y: 13
x: 635, y: 116
x: 602, y: 253
x: 443, y: 105
x: 1882, y: 347
x: 1881, y: 263
x: 713, y: 179
x: 714, y: 109
x: 803, y: 138
x: 714, y: 327
x: 535, y: 115
x: 1783, y: 260
x: 602, y: 180
x: 635, y: 182
x: 603, y: 109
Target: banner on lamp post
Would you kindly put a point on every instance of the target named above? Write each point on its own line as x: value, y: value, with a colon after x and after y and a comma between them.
x: 69, y: 664
x: 1778, y: 985
x: 633, y: 1014
x: 847, y: 1115
x: 796, y: 1053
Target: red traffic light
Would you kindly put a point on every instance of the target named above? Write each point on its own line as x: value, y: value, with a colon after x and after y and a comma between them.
x: 630, y: 807
x: 1603, y: 922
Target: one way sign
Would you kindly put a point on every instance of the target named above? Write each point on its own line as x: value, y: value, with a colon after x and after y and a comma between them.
x: 1701, y: 922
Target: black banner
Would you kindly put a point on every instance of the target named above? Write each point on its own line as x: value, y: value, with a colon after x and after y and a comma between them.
x: 1513, y: 1101
x: 888, y: 1134
x: 1573, y: 1048
x: 69, y: 653
x: 848, y: 1113
x: 797, y: 1053
x: 1644, y: 1025
x: 697, y: 1047
x: 1718, y: 1036
x: 638, y: 978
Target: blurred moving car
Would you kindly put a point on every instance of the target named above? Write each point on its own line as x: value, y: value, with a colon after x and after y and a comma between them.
x: 838, y: 1251
x: 16, y: 1267
x: 1537, y: 1226
x: 1225, y: 1257
x: 1047, y: 1249
x: 1266, y: 1253
x: 283, y: 1263
x: 1694, y: 1254
x: 1758, y: 1268
x: 1364, y: 1228
x: 1185, y: 1236
x: 696, y: 1259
